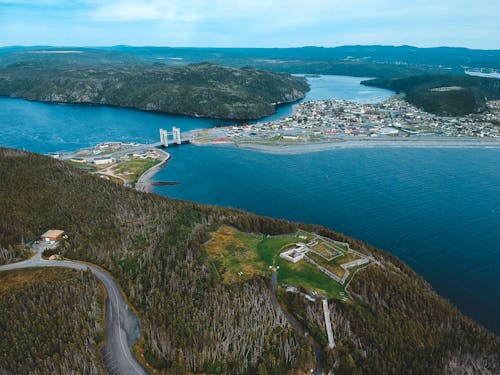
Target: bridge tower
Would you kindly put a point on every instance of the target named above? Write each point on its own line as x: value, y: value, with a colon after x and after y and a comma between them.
x: 176, y: 134
x: 164, y: 137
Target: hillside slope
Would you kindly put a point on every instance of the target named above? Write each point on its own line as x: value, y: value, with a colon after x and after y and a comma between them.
x: 192, y: 321
x: 51, y: 322
x: 445, y: 95
x: 204, y: 90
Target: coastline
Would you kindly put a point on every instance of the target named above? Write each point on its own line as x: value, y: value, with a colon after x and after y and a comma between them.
x: 207, y: 116
x: 427, y: 142
x: 144, y: 183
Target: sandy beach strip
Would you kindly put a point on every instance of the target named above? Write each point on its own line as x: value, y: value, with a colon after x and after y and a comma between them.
x: 435, y: 142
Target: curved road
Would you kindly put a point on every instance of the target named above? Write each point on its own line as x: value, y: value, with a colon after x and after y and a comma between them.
x: 122, y: 326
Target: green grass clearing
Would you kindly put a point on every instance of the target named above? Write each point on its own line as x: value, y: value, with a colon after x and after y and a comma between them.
x: 84, y: 166
x: 132, y: 169
x: 234, y: 252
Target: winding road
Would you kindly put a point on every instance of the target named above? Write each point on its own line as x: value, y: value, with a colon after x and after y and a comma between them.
x: 122, y: 325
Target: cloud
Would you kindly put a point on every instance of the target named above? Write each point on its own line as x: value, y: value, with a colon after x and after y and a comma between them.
x: 259, y: 22
x: 144, y: 10
x: 282, y: 10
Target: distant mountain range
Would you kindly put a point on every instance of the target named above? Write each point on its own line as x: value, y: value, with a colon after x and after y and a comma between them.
x: 393, y: 67
x: 443, y: 57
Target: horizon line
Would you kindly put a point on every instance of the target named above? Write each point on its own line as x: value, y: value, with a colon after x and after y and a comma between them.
x: 212, y: 47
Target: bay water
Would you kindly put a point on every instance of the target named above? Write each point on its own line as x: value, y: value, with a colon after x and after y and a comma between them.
x: 436, y: 209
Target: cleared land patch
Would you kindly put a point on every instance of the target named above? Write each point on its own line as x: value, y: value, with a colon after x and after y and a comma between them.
x: 132, y: 169
x: 238, y: 256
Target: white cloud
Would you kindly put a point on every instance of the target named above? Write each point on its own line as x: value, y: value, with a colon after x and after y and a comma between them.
x: 144, y: 10
x: 283, y: 11
x: 266, y: 22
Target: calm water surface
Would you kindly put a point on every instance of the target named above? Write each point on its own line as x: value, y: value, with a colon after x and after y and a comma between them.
x: 438, y: 210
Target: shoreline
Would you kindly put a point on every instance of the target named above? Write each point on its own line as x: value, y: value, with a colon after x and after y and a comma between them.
x: 144, y: 183
x: 435, y: 142
x: 194, y: 115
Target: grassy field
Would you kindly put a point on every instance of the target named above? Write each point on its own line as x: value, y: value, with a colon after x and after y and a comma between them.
x: 234, y: 256
x: 132, y: 169
x: 331, y: 266
x: 339, y: 247
x: 325, y: 251
x: 85, y: 166
x: 239, y: 256
x: 18, y: 279
x: 302, y: 233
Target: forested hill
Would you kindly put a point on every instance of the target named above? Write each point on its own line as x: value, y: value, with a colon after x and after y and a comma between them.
x: 203, y: 89
x: 447, y: 95
x: 52, y: 322
x: 193, y: 321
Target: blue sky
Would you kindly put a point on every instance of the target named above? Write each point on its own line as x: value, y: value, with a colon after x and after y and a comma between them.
x: 257, y: 23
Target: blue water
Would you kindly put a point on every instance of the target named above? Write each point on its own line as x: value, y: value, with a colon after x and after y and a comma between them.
x: 325, y: 87
x: 44, y: 127
x: 438, y: 210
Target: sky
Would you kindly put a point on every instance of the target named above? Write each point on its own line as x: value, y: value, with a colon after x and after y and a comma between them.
x: 251, y: 23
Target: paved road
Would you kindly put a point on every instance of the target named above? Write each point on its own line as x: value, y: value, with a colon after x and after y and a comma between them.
x: 122, y: 326
x: 318, y: 370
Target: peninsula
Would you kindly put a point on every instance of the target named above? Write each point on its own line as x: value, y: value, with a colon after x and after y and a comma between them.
x: 200, y: 90
x: 127, y: 163
x: 327, y: 124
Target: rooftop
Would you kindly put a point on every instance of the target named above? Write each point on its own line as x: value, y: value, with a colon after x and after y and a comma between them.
x: 53, y: 233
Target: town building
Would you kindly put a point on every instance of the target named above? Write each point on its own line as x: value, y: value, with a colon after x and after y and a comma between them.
x: 103, y: 161
x: 53, y: 235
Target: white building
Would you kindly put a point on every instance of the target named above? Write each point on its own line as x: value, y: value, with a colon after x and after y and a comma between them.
x: 103, y: 161
x: 296, y: 254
